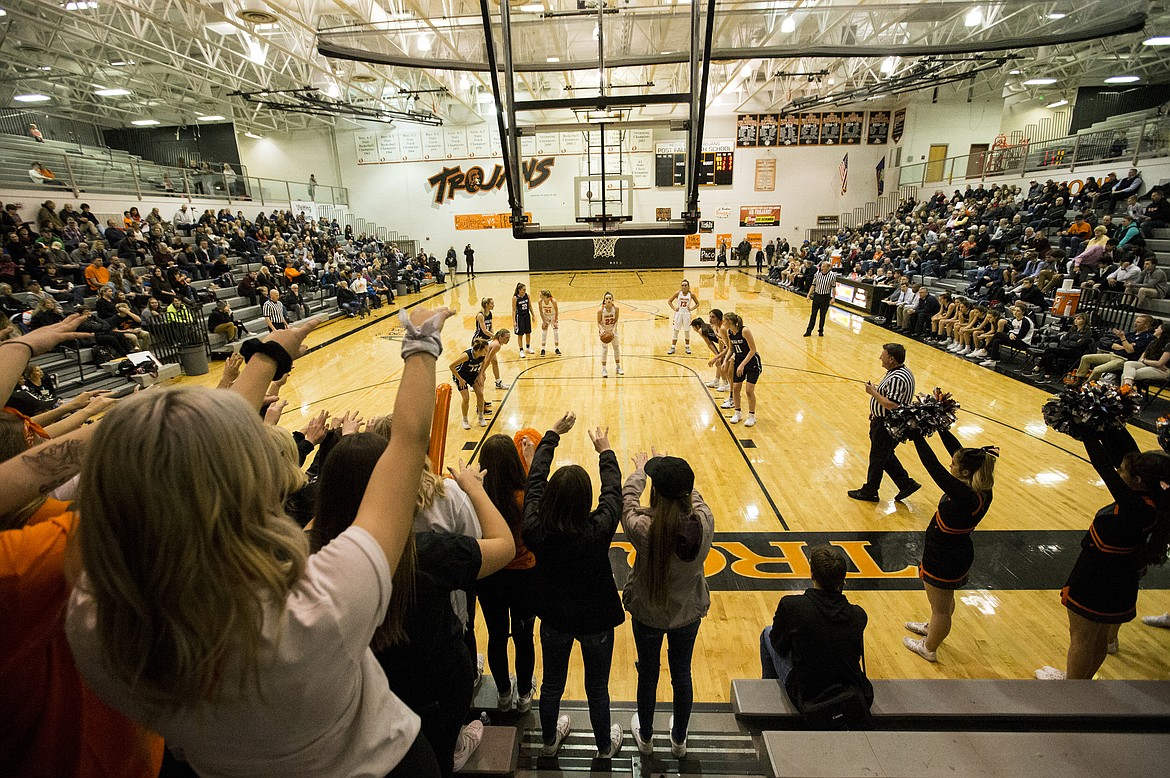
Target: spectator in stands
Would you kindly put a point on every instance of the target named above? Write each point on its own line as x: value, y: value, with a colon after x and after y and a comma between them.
x: 1126, y: 273
x: 48, y: 222
x: 1129, y: 233
x: 1072, y: 345
x: 39, y: 174
x: 96, y: 275
x: 1027, y: 293
x: 1017, y: 334
x: 275, y: 314
x: 919, y: 319
x: 815, y: 644
x: 348, y: 302
x: 129, y: 325
x: 36, y: 134
x: 1117, y: 348
x: 1130, y: 185
x: 248, y: 287
x: 105, y: 307
x: 325, y: 613
x: 223, y: 322
x: 1075, y: 234
x: 1152, y: 364
x: 114, y: 234
x: 294, y: 304
x: 183, y: 220
x: 34, y: 394
x: 666, y: 593
x: 577, y: 598
x: 1156, y: 215
x: 153, y: 313
x: 1150, y: 285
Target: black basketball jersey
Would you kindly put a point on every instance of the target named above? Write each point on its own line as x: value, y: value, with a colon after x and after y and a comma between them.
x: 522, y: 304
x: 469, y: 370
x: 487, y: 323
x: 739, y: 345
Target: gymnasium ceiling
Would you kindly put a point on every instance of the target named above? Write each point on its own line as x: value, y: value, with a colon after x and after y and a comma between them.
x: 180, y: 59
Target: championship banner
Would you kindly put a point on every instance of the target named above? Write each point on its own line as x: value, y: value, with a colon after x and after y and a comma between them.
x: 830, y: 129
x: 899, y: 125
x: 852, y: 125
x: 747, y: 130
x: 759, y: 216
x: 879, y: 128
x: 881, y: 176
x: 810, y: 129
x: 789, y: 129
x: 769, y: 130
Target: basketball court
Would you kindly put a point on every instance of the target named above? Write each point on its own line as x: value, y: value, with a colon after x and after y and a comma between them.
x: 778, y: 487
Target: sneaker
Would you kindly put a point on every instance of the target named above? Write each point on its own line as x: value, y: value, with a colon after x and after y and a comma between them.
x: 954, y: 347
x: 728, y: 403
x: 563, y: 725
x: 670, y: 351
x: 988, y: 363
x: 861, y: 494
x: 646, y: 747
x: 620, y: 371
x: 1113, y: 648
x: 964, y: 351
x: 1162, y: 621
x: 1049, y: 673
x: 530, y: 349
x: 504, y: 699
x: 711, y: 384
x: 542, y: 352
x: 677, y: 750
x: 557, y: 351
x: 750, y: 421
x: 500, y: 385
x: 909, y: 490
x: 604, y: 373
x: 979, y: 352
x: 466, y: 423
x: 482, y: 422
x: 523, y: 355
x: 688, y: 348
x: 919, y: 647
x: 469, y: 739
x: 615, y: 743
x: 735, y: 418
x: 524, y: 701
x: 723, y: 387
x: 917, y: 627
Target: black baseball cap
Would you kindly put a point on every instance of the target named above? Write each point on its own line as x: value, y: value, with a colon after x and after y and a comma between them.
x: 673, y: 477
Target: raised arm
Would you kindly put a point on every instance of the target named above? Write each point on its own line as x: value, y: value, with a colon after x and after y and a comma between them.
x: 609, y: 502
x: 541, y: 465
x: 41, y: 469
x: 15, y: 353
x: 387, y: 509
x: 497, y: 547
x: 939, y: 473
x: 256, y: 376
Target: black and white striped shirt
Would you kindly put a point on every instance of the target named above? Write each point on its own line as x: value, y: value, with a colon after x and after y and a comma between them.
x: 897, y: 386
x: 823, y: 282
x: 274, y: 312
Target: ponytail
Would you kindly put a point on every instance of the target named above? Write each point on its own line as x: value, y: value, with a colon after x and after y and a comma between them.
x: 980, y: 463
x: 666, y: 521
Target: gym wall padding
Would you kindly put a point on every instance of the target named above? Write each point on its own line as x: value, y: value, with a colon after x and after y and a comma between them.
x: 629, y: 253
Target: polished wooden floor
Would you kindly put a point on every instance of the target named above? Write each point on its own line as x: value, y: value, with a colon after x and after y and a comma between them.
x: 780, y: 483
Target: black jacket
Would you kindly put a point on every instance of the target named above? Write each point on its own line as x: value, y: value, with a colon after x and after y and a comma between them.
x: 824, y: 633
x: 576, y: 592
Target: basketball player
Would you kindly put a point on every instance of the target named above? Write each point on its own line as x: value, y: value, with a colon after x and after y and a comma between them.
x: 711, y: 338
x: 747, y: 367
x: 607, y: 319
x: 550, y: 316
x: 467, y: 371
x: 723, y: 359
x: 498, y: 341
x: 522, y: 318
x: 948, y: 552
x: 682, y: 303
x: 483, y: 321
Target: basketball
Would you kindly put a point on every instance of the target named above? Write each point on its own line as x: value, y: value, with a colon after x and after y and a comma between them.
x: 606, y: 337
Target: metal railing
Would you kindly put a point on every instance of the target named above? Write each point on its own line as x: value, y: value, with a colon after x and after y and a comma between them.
x: 80, y: 169
x: 1125, y: 146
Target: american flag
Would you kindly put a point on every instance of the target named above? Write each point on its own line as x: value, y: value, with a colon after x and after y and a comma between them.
x: 843, y: 169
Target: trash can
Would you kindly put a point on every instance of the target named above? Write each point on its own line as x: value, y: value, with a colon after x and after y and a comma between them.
x: 193, y: 359
x: 400, y: 287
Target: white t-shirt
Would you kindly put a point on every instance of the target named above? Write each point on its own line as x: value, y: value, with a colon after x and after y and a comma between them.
x: 324, y: 707
x: 451, y: 514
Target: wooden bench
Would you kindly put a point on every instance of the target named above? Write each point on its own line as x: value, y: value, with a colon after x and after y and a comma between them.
x: 497, y: 754
x: 961, y: 705
x: 967, y: 754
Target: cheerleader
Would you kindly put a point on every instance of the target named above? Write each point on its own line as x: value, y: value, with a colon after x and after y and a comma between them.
x: 467, y: 371
x: 522, y: 318
x: 1125, y: 537
x: 550, y: 316
x: 483, y: 321
x: 948, y: 552
x: 682, y: 303
x: 497, y: 342
x: 607, y: 319
x: 746, y: 368
x: 711, y: 338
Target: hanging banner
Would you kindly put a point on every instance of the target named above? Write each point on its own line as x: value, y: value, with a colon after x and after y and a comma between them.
x: 899, y: 124
x: 830, y: 129
x: 789, y: 129
x: 759, y: 216
x: 662, y: 214
x: 881, y: 176
x: 747, y: 130
x: 810, y: 129
x: 756, y: 239
x: 852, y: 125
x: 367, y: 147
x: 456, y: 143
x: 879, y: 128
x: 706, y: 226
x: 765, y: 175
x: 707, y: 255
x: 769, y: 130
x: 388, y: 150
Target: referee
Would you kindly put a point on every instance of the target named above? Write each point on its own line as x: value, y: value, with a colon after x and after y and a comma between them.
x: 897, y: 388
x: 821, y: 294
x: 275, y: 314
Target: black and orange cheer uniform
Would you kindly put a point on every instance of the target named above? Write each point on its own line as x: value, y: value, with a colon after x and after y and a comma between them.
x: 1103, y: 584
x: 948, y: 552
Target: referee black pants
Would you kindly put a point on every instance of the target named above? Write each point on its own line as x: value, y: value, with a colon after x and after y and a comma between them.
x: 820, y: 304
x: 883, y: 459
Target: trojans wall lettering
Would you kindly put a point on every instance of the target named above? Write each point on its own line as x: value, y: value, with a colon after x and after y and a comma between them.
x: 450, y: 180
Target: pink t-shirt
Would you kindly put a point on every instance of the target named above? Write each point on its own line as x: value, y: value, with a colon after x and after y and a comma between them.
x: 324, y: 707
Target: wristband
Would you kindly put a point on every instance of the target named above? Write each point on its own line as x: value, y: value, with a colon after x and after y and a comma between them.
x: 420, y: 340
x: 15, y: 342
x: 270, y: 349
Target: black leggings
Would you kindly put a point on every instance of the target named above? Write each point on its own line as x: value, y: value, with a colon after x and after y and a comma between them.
x: 506, y: 600
x: 419, y: 761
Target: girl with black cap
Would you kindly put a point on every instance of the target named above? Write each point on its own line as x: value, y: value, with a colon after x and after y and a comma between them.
x: 666, y: 593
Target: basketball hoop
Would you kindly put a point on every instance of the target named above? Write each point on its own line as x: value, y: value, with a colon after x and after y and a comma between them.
x: 604, y: 247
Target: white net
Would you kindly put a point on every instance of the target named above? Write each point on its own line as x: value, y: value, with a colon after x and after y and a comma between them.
x: 604, y: 247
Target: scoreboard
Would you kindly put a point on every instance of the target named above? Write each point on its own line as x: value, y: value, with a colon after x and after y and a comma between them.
x: 716, y: 163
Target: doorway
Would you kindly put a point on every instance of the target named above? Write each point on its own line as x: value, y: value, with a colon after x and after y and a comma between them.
x: 936, y: 162
x: 976, y: 158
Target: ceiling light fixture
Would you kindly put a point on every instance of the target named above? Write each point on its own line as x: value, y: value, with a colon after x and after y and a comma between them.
x: 257, y: 50
x: 32, y: 98
x: 974, y: 17
x: 1039, y: 81
x: 253, y: 136
x: 1014, y: 72
x: 1122, y: 79
x: 424, y: 42
x: 788, y: 25
x: 145, y: 122
x: 115, y: 92
x: 553, y: 59
x: 1057, y: 104
x: 212, y: 118
x: 81, y: 5
x: 532, y: 8
x: 1055, y: 15
x: 889, y: 65
x: 3, y: 12
x: 1157, y: 40
x: 118, y: 63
